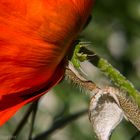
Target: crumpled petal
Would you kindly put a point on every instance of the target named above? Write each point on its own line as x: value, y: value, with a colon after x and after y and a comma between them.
x: 104, y: 114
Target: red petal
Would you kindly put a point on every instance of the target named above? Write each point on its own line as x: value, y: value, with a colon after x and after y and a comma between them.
x: 11, y: 103
x: 35, y: 35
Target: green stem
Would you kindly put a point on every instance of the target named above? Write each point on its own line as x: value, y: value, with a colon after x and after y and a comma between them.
x: 118, y: 79
x: 114, y: 75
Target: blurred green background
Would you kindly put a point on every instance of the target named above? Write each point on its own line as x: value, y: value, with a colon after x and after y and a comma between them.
x: 115, y: 35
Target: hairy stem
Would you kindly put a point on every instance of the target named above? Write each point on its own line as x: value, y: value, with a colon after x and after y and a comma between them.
x: 113, y: 74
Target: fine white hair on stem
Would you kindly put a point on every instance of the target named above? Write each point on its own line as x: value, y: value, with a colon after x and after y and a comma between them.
x: 130, y: 109
x: 77, y: 79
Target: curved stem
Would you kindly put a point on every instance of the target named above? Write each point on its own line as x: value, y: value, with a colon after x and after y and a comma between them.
x: 22, y: 122
x: 114, y: 75
x: 59, y: 124
x: 34, y: 111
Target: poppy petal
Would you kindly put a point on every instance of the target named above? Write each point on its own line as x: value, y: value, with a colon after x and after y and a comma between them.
x: 11, y: 103
x: 35, y: 36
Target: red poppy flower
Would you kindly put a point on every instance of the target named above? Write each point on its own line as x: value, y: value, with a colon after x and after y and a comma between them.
x: 35, y: 36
